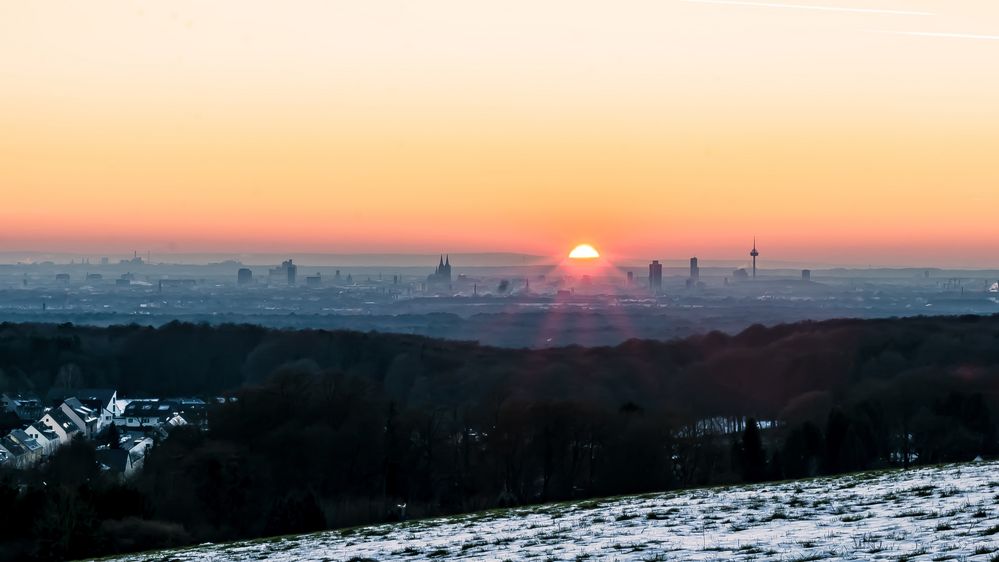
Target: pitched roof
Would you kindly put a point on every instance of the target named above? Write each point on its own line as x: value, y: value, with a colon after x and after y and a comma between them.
x: 25, y: 406
x: 151, y: 408
x: 25, y: 440
x: 67, y: 423
x: 85, y: 413
x: 44, y: 431
x: 15, y: 448
x: 115, y: 460
x: 21, y: 397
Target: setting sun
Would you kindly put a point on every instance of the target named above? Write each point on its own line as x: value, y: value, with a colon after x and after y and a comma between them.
x: 584, y: 252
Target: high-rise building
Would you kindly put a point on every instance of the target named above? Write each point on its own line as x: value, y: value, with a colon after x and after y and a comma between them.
x: 695, y: 271
x: 656, y: 276
x: 631, y: 278
x: 754, y: 253
x: 244, y: 276
x: 286, y: 273
x: 806, y: 274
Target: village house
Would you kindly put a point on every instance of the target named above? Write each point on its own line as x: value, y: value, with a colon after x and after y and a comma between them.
x: 127, y: 458
x: 17, y: 454
x: 118, y: 461
x: 61, y: 424
x: 24, y: 406
x: 83, y: 416
x: 30, y: 444
x: 45, y: 437
x: 11, y: 454
x: 149, y: 414
x: 103, y: 401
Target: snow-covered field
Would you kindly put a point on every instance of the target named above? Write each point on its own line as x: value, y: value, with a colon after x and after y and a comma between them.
x: 938, y: 513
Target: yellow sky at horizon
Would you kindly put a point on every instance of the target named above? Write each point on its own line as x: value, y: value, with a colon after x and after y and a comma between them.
x: 648, y: 127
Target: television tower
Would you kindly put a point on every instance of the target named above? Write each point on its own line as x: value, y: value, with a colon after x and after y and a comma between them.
x: 754, y: 253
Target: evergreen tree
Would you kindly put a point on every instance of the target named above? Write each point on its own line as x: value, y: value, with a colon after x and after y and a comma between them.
x: 114, y: 436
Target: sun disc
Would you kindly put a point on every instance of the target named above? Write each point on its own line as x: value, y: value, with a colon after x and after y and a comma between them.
x: 584, y: 252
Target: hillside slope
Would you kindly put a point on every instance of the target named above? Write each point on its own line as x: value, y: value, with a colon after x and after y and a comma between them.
x: 936, y: 513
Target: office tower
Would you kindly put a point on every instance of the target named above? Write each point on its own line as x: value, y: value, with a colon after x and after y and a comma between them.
x: 655, y: 276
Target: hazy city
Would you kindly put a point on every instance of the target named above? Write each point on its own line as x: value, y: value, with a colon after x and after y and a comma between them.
x: 506, y: 303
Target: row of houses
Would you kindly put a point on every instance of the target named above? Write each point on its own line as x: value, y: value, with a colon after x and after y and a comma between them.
x: 89, y: 414
x: 56, y: 426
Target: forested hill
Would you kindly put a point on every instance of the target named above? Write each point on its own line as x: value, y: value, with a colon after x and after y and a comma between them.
x: 341, y: 428
x: 763, y: 372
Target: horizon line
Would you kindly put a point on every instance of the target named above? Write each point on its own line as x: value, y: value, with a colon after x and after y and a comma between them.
x: 539, y: 260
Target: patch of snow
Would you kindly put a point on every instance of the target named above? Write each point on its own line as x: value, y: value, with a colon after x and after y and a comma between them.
x: 935, y: 513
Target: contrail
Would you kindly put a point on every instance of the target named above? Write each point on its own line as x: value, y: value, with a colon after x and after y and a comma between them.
x: 939, y: 34
x: 809, y: 7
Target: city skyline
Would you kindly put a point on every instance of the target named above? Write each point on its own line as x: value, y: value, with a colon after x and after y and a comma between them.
x: 839, y: 134
x: 669, y: 258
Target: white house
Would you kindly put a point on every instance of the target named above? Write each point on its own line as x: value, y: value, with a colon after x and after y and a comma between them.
x: 44, y: 436
x: 61, y: 424
x: 149, y: 413
x: 83, y: 416
x: 18, y: 455
x: 104, y: 403
x: 33, y: 447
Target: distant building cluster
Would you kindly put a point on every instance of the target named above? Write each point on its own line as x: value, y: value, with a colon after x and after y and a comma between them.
x: 135, y: 260
x: 693, y: 281
x: 285, y: 273
x: 36, y: 427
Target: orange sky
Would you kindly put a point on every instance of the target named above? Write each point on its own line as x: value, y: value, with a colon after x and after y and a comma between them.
x: 837, y: 131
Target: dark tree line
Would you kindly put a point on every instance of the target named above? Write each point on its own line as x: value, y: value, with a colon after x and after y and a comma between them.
x: 341, y: 428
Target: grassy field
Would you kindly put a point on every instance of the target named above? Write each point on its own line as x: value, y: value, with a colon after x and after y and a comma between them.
x: 937, y: 513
